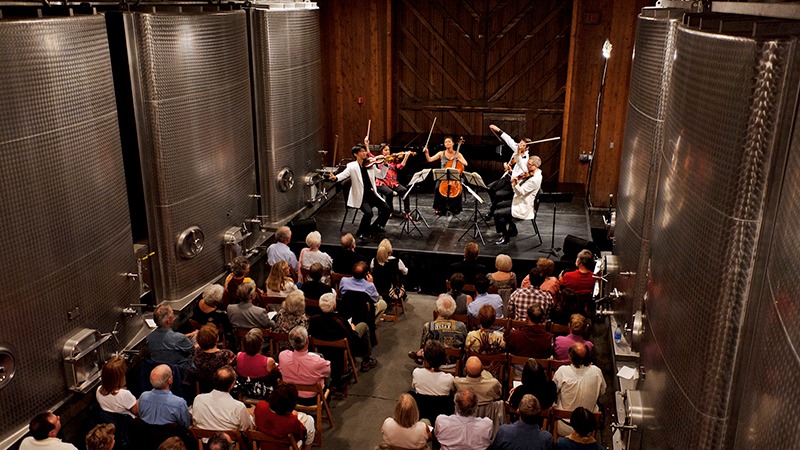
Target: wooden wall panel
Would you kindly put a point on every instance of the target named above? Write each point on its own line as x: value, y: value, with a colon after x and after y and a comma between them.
x: 594, y: 21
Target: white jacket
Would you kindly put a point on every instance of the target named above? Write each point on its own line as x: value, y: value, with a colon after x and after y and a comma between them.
x: 524, y: 195
x: 353, y: 170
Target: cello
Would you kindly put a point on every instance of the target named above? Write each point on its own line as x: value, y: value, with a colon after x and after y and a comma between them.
x: 452, y: 188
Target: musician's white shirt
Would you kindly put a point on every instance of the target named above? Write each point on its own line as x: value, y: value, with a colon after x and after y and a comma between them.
x: 522, y: 160
x: 353, y: 171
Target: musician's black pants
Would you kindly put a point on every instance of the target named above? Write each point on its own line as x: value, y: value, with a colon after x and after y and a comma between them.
x: 503, y: 221
x: 499, y: 190
x: 370, y: 201
x: 388, y: 194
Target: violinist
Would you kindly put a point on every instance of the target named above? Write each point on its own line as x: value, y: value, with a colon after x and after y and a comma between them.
x: 450, y: 158
x: 521, y: 206
x: 500, y: 190
x: 388, y: 184
x: 363, y: 192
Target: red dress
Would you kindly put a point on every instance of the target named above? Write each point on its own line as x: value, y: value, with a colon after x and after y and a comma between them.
x: 277, y: 426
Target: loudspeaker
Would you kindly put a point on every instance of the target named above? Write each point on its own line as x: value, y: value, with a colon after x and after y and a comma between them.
x: 301, y: 228
x: 573, y: 245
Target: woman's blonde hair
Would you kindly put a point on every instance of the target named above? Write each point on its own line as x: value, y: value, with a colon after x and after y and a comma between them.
x: 314, y: 239
x: 295, y: 303
x: 406, y: 413
x: 503, y: 263
x: 276, y: 281
x: 384, y: 252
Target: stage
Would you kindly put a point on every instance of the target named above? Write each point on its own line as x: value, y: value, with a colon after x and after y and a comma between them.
x: 428, y: 252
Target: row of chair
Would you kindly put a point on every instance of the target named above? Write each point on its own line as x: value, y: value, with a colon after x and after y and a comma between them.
x: 507, y: 325
x: 255, y: 437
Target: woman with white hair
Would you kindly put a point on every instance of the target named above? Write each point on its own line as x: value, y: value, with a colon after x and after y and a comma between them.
x: 207, y: 311
x: 312, y: 254
x: 291, y: 314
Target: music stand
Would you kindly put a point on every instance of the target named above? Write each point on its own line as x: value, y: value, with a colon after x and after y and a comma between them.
x: 477, y: 231
x: 555, y: 198
x: 410, y: 219
x: 448, y: 174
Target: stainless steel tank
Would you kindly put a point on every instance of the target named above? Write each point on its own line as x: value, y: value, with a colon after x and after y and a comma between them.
x: 67, y: 248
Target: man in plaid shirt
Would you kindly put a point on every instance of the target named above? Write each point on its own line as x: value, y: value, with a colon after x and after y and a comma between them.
x: 523, y: 298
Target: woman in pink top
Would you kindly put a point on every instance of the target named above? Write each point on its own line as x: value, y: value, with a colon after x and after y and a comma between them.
x: 256, y: 371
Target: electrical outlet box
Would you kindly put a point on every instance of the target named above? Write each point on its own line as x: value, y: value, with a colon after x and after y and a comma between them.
x: 585, y: 157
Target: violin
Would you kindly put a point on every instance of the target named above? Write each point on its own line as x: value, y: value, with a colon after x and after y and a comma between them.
x: 381, y: 158
x: 452, y: 188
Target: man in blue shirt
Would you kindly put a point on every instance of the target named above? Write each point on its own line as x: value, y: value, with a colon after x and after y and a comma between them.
x: 165, y: 345
x: 483, y: 298
x: 525, y: 434
x: 280, y: 251
x: 361, y: 281
x: 159, y: 406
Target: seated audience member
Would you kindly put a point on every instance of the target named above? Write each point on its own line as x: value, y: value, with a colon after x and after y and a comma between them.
x: 457, y: 292
x: 298, y: 366
x: 239, y: 270
x: 534, y: 382
x: 256, y: 371
x: 386, y: 269
x: 361, y: 281
x: 525, y: 434
x: 486, y: 387
x: 277, y: 418
x: 112, y: 396
x: 485, y: 340
x: 583, y: 423
x: 44, y: 428
x: 217, y: 410
x: 347, y: 256
x: 578, y: 384
x: 522, y: 298
x: 173, y: 443
x: 568, y: 304
x: 404, y: 429
x: 207, y: 310
x: 470, y: 265
x: 531, y: 341
x: 550, y: 284
x: 482, y: 297
x: 101, y: 437
x: 462, y: 430
x: 504, y: 280
x: 291, y: 314
x: 208, y: 358
x: 313, y: 255
x: 164, y: 345
x: 279, y: 281
x: 220, y: 441
x: 313, y: 288
x: 159, y: 406
x: 581, y: 280
x: 429, y: 380
x: 332, y: 326
x: 246, y: 314
x: 577, y: 326
x: 280, y: 251
x: 451, y: 333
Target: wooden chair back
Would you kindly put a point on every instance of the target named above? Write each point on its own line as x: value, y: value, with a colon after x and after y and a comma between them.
x: 199, y: 434
x: 349, y: 361
x: 336, y: 278
x: 275, y: 341
x: 273, y: 300
x: 256, y: 438
x: 557, y: 329
x: 456, y: 354
x: 469, y: 289
x: 240, y: 333
x: 495, y: 364
x: 320, y: 411
x: 554, y: 365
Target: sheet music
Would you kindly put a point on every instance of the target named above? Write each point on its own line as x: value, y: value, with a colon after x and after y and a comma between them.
x: 477, y: 197
x: 475, y: 179
x: 448, y: 174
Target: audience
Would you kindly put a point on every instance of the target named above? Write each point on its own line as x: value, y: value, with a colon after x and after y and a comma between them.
x: 220, y: 441
x: 298, y: 366
x: 470, y: 265
x: 239, y: 270
x: 209, y: 358
x: 485, y: 340
x: 581, y: 280
x: 159, y: 406
x: 246, y: 314
x: 522, y: 298
x: 568, y: 304
x: 313, y: 255
x: 173, y: 443
x: 112, y: 396
x: 504, y: 280
x: 313, y: 288
x: 217, y: 410
x: 525, y: 434
x: 44, y: 428
x: 484, y: 298
x: 531, y: 340
x: 429, y: 380
x: 277, y: 418
x: 291, y: 314
x: 462, y: 430
x: 279, y: 281
x: 534, y: 382
x: 280, y: 251
x: 347, y: 256
x: 386, y: 269
x: 404, y: 429
x: 550, y: 283
x: 486, y: 387
x: 255, y: 370
x: 583, y: 423
x: 206, y: 310
x: 101, y: 437
x: 361, y: 281
x: 165, y: 345
x: 457, y: 284
x: 451, y: 333
x: 577, y: 327
x: 578, y: 384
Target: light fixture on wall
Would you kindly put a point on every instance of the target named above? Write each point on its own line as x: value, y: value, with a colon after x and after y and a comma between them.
x: 606, y: 55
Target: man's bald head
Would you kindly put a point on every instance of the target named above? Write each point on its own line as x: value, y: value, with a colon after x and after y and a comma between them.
x: 160, y: 377
x: 579, y: 354
x: 474, y: 367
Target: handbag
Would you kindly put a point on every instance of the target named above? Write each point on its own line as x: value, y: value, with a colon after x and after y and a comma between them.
x: 397, y: 292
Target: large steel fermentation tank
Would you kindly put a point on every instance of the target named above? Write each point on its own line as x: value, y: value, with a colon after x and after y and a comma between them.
x: 189, y: 80
x: 287, y: 82
x: 68, y: 260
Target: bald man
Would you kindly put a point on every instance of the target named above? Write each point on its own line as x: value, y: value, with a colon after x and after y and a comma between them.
x: 159, y: 406
x: 578, y: 384
x: 487, y: 388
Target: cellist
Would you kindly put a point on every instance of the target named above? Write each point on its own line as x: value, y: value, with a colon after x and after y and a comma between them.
x: 449, y: 158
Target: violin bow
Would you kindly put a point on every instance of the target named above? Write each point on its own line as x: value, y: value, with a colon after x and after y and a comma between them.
x: 430, y: 133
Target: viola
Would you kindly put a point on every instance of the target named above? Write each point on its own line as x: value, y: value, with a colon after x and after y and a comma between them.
x: 452, y: 188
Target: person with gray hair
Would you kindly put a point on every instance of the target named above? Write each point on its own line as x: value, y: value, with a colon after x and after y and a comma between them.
x: 291, y: 314
x: 164, y: 345
x: 522, y: 206
x: 462, y: 430
x: 451, y: 333
x: 525, y: 433
x: 298, y: 366
x: 246, y: 314
x: 578, y: 384
x: 580, y: 280
x: 208, y: 310
x: 347, y: 256
x: 500, y: 189
x: 280, y: 251
x: 312, y: 254
x: 159, y: 406
x: 218, y: 410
